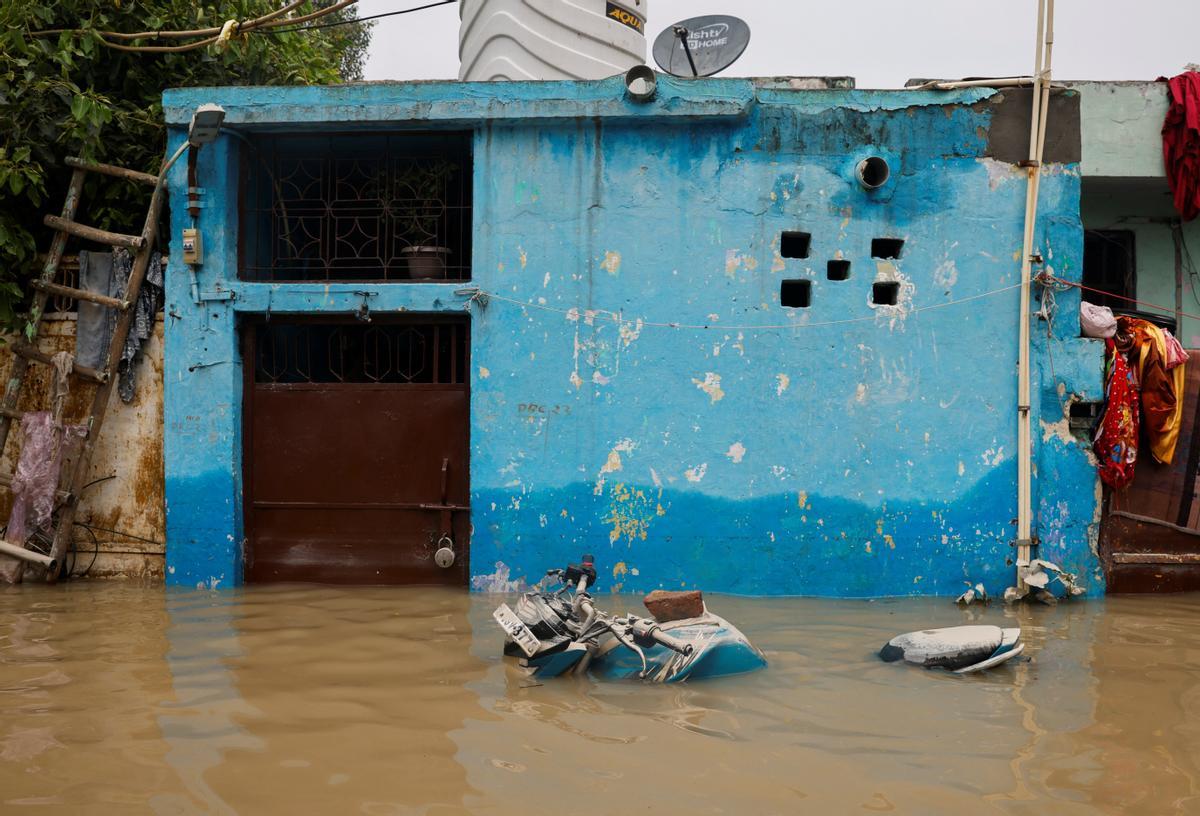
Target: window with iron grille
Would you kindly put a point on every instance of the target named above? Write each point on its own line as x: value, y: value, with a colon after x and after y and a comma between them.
x: 356, y: 207
x: 302, y: 351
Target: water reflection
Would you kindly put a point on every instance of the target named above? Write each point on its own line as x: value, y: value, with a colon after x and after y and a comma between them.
x: 199, y: 722
x: 82, y: 673
x: 118, y: 698
x: 346, y: 698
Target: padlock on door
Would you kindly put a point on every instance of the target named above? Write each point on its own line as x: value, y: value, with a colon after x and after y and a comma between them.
x: 444, y: 556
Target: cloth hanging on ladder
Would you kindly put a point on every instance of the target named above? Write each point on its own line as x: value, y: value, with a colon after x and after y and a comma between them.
x: 1116, y: 442
x: 149, y: 302
x: 1181, y: 142
x: 39, y: 465
x: 93, y: 327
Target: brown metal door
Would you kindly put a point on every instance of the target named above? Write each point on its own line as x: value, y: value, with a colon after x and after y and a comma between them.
x: 1150, y: 540
x: 356, y: 450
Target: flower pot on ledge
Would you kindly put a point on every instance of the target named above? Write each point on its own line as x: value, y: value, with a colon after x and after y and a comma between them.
x: 425, y: 262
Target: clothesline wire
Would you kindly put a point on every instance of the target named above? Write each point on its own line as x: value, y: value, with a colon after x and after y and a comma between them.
x: 577, y: 313
x: 1053, y: 279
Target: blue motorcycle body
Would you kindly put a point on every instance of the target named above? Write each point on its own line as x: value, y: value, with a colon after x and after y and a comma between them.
x: 719, y: 650
x: 711, y: 646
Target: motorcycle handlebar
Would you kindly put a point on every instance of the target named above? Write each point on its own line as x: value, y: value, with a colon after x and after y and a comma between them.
x: 654, y: 632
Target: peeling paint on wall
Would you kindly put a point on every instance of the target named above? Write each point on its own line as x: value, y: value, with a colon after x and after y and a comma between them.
x: 711, y: 385
x: 611, y: 263
x: 841, y: 401
x: 498, y: 581
x: 893, y: 314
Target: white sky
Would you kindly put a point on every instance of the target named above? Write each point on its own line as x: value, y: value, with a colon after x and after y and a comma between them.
x: 880, y: 42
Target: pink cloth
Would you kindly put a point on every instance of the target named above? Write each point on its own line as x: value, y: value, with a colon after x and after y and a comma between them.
x: 1176, y: 356
x: 43, y: 442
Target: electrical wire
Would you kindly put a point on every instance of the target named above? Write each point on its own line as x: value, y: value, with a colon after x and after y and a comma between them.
x: 162, y: 35
x: 1048, y: 311
x: 262, y: 24
x: 69, y: 570
x: 341, y: 4
x: 121, y: 533
x: 1193, y: 274
x: 159, y: 49
x: 359, y: 19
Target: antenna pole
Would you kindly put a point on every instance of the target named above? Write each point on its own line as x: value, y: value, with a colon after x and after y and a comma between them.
x: 682, y: 34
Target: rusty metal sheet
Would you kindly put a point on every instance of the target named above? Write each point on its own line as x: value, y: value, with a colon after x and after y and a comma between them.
x: 122, y: 517
x: 345, y: 482
x: 1148, y: 555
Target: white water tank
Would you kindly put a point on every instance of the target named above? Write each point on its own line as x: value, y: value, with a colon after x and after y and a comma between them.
x: 550, y: 39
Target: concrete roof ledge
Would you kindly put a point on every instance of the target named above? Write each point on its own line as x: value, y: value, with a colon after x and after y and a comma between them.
x: 467, y: 103
x: 454, y: 101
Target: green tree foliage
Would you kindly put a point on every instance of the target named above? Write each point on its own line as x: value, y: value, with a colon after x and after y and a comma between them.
x: 68, y: 94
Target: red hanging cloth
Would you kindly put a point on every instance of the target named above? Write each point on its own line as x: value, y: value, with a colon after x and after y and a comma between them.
x: 1117, y: 435
x: 1181, y: 142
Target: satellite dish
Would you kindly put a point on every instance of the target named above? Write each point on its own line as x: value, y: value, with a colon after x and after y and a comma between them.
x: 701, y: 46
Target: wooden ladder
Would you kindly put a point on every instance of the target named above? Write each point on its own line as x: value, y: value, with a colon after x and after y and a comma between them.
x: 104, y: 377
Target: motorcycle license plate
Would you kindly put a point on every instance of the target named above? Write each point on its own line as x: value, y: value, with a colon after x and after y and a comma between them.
x: 516, y: 629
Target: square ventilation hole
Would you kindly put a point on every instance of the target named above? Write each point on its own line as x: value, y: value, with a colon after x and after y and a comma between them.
x: 886, y: 247
x: 838, y: 270
x: 794, y: 244
x: 795, y: 294
x: 1082, y: 418
x: 885, y: 293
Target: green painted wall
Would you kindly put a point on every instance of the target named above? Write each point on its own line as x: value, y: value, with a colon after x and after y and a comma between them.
x: 1124, y: 187
x: 1121, y: 124
x: 1144, y: 206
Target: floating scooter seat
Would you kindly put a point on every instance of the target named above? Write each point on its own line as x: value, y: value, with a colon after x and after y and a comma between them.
x: 960, y: 649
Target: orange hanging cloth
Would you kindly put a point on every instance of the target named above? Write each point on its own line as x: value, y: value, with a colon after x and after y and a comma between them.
x: 1162, y: 388
x: 1181, y: 142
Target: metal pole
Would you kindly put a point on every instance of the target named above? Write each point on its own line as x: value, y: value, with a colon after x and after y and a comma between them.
x: 1177, y: 237
x: 682, y: 34
x: 1037, y: 142
x: 999, y: 82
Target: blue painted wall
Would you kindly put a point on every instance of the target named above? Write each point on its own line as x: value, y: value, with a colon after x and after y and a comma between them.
x: 639, y: 392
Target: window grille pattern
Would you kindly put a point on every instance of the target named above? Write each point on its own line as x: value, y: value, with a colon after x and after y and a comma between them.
x: 395, y: 353
x: 370, y: 207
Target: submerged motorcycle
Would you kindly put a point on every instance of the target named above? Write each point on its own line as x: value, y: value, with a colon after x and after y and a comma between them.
x: 557, y: 630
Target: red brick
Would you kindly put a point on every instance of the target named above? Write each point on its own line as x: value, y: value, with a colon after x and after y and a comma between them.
x: 668, y: 606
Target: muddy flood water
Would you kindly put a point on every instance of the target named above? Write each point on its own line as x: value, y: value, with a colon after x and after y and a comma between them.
x: 126, y: 699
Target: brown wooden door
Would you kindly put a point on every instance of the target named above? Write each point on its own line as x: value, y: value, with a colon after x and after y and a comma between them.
x: 356, y: 450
